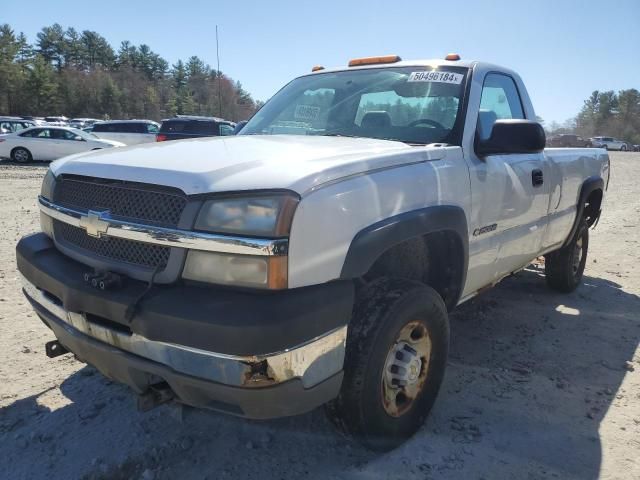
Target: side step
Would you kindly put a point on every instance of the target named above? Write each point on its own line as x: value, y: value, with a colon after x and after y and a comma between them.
x: 54, y: 349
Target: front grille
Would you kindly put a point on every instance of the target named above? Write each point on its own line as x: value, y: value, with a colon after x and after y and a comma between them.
x: 112, y: 248
x: 140, y: 202
x: 128, y: 201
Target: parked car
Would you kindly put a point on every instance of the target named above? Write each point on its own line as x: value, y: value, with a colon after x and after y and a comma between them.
x: 81, y: 123
x: 636, y: 148
x: 49, y: 143
x: 14, y: 124
x: 568, y: 140
x: 57, y: 121
x: 239, y: 126
x: 129, y: 132
x: 609, y: 143
x: 189, y: 126
x: 314, y: 257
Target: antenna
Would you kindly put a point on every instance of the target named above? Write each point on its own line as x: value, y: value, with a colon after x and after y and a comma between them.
x: 219, y: 75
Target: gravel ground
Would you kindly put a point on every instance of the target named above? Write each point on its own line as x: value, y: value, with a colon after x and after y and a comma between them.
x: 540, y: 385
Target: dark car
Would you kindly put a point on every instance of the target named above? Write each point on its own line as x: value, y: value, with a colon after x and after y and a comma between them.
x: 569, y: 141
x: 184, y: 126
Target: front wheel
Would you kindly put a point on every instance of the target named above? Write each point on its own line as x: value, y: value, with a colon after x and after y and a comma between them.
x: 395, y: 360
x: 564, y: 268
x: 21, y: 155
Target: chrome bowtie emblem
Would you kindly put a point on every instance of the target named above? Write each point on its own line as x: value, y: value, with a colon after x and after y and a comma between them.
x: 95, y: 222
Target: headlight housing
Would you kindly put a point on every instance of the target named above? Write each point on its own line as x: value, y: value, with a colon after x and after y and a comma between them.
x: 260, y: 215
x: 48, y: 184
x: 264, y: 215
x: 46, y: 191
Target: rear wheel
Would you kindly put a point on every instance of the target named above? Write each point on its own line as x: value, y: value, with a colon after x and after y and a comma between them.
x: 21, y: 155
x: 623, y: 148
x: 564, y: 268
x: 396, y: 356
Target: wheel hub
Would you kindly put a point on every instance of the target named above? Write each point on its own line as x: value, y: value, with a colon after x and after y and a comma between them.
x: 406, y: 368
x: 403, y: 365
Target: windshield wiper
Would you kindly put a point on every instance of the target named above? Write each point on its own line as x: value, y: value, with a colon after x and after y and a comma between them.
x: 334, y: 134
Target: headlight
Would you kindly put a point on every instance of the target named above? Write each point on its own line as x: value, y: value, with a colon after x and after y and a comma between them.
x: 267, y: 215
x: 260, y: 215
x: 48, y: 183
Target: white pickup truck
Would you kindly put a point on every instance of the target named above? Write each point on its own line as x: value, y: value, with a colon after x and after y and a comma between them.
x: 313, y: 258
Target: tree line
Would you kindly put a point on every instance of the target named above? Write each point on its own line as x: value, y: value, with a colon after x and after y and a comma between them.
x: 79, y: 74
x: 615, y: 114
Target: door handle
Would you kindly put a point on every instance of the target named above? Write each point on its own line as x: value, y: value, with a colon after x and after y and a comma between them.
x: 537, y: 178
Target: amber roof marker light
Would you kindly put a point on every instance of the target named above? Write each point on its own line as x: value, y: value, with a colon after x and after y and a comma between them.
x: 452, y: 57
x: 317, y: 68
x: 356, y: 62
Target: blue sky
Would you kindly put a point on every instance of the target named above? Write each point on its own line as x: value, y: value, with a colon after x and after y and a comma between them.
x: 563, y: 49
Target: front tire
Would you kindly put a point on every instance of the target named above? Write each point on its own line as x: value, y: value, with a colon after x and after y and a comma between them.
x: 21, y: 155
x: 395, y: 360
x: 564, y: 268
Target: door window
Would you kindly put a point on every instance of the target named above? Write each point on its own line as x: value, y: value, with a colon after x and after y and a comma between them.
x: 44, y: 133
x: 500, y: 99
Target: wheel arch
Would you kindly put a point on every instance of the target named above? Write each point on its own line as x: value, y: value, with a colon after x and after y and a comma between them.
x: 589, y: 203
x: 444, y: 229
x: 21, y: 148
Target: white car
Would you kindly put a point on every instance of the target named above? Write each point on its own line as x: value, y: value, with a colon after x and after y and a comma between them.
x: 129, y: 132
x: 49, y: 143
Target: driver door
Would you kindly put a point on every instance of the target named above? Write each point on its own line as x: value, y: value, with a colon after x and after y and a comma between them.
x: 509, y: 193
x: 68, y: 143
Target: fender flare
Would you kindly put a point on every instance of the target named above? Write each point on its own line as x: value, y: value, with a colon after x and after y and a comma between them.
x: 372, y: 241
x: 588, y: 186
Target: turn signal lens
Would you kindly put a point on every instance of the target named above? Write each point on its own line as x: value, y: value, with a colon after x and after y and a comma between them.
x: 160, y: 137
x: 356, y: 62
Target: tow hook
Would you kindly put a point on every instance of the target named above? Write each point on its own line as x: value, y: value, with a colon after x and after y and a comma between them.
x: 156, y: 395
x: 54, y: 349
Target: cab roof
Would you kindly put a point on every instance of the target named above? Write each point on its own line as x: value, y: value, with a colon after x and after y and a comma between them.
x: 434, y: 63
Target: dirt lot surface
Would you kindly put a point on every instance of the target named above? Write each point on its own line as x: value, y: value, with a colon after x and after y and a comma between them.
x: 540, y: 385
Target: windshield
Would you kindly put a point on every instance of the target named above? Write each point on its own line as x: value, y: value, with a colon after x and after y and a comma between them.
x: 83, y: 134
x: 417, y: 105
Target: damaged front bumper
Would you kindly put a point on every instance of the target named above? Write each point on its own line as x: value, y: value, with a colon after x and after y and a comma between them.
x: 265, y: 386
x: 286, y: 382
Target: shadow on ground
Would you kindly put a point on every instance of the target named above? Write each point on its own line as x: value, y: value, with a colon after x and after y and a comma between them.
x: 532, y: 374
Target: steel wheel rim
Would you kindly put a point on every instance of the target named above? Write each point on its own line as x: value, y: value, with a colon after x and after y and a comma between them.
x: 21, y: 155
x: 577, y: 256
x: 406, y: 369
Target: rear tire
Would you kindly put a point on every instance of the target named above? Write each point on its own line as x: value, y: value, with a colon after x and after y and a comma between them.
x: 21, y: 155
x: 564, y: 268
x: 623, y: 148
x: 395, y: 360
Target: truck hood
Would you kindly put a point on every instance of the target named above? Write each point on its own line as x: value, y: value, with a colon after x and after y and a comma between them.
x: 246, y: 162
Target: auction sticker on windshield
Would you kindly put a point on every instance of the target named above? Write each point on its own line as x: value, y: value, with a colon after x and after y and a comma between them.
x: 436, y: 76
x: 306, y: 112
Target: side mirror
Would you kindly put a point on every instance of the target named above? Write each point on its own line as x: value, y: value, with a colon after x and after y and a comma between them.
x: 512, y: 136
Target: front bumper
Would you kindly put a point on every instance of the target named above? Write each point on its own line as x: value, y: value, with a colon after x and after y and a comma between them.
x: 288, y: 381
